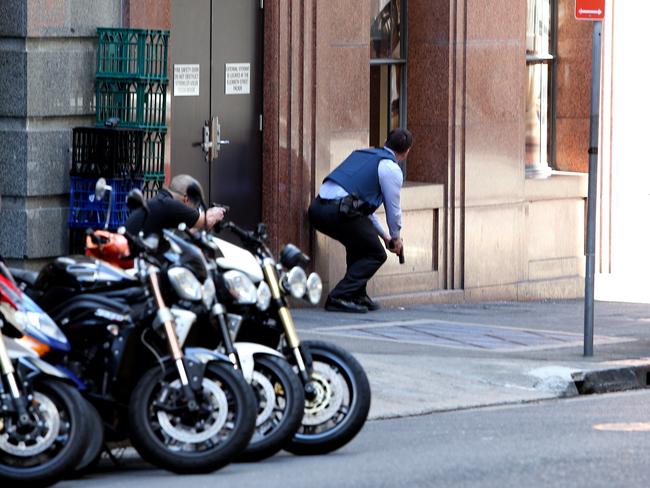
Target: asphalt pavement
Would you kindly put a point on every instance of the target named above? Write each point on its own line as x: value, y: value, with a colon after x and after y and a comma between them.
x: 441, y: 357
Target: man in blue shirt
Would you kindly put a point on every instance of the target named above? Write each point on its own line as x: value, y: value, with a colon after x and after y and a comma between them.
x: 344, y: 210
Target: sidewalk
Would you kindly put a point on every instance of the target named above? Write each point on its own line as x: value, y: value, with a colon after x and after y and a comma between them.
x: 429, y: 358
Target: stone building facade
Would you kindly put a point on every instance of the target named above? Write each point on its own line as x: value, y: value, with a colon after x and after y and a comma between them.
x: 481, y: 221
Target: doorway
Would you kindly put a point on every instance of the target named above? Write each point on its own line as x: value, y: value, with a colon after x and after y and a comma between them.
x: 216, y: 88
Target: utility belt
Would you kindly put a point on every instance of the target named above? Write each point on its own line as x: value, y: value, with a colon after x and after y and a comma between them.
x: 349, y: 206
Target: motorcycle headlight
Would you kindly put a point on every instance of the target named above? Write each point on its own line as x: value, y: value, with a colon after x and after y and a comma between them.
x: 38, y: 324
x: 208, y: 292
x: 296, y: 282
x: 185, y: 283
x: 314, y: 288
x: 240, y: 287
x: 263, y: 296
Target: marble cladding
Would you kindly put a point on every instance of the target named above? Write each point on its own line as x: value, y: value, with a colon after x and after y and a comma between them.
x: 147, y: 14
x: 13, y: 162
x: 573, y: 89
x: 36, y: 233
x: 428, y: 159
x: 61, y: 82
x: 13, y: 18
x: 500, y: 20
x: 493, y: 169
x: 495, y: 81
x: 71, y: 18
x: 13, y: 82
x: 494, y: 245
x: 564, y: 217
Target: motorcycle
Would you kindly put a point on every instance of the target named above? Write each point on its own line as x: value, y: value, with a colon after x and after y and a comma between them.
x: 183, y: 409
x: 336, y: 388
x: 44, y: 421
x: 278, y: 391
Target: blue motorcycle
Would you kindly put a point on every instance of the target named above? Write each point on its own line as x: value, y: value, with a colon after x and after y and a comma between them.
x: 44, y: 421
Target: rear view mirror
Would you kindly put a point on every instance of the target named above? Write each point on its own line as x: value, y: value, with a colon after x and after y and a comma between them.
x: 195, y: 195
x: 100, y: 189
x: 135, y: 199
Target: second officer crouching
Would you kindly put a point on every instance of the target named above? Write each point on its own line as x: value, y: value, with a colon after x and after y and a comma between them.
x: 344, y: 210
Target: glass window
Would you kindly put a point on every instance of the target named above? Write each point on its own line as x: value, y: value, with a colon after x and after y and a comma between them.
x: 387, y: 68
x: 540, y: 63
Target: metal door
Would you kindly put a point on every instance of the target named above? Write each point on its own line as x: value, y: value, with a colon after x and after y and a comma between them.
x: 224, y: 38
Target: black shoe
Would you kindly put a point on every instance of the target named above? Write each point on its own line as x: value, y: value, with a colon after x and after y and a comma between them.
x: 341, y: 305
x: 367, y: 302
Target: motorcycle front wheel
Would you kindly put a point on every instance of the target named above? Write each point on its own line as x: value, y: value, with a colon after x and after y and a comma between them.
x: 167, y: 433
x: 337, y: 405
x: 280, y: 400
x: 49, y: 447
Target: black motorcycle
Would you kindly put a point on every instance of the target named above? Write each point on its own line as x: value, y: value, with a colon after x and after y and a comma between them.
x: 278, y: 390
x: 337, y: 391
x: 183, y: 409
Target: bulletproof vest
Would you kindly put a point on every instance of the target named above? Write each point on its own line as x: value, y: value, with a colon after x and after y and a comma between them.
x: 357, y: 175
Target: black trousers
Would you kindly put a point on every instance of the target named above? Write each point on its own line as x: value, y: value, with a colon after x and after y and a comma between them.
x: 364, y: 250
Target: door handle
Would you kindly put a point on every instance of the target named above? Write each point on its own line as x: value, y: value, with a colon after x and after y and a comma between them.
x: 211, y: 141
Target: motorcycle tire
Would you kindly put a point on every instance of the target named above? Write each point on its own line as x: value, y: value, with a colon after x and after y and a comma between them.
x: 95, y: 445
x: 338, y: 408
x: 173, y: 442
x: 53, y: 454
x: 280, y: 400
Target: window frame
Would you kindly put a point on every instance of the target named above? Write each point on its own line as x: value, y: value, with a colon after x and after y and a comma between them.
x: 403, y: 62
x: 549, y: 59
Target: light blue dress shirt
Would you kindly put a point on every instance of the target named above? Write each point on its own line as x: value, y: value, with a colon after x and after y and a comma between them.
x: 390, y: 181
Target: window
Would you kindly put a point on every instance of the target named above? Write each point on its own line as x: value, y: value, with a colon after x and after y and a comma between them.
x: 387, y: 68
x: 540, y: 100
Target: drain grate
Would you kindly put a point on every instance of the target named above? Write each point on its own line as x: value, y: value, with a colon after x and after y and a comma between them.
x: 461, y: 335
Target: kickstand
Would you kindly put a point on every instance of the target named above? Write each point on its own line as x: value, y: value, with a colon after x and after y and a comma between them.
x: 111, y: 456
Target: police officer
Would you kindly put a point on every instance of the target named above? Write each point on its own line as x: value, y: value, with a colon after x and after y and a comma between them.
x: 170, y: 207
x: 344, y: 210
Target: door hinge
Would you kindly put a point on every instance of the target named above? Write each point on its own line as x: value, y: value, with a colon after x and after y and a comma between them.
x: 261, y: 123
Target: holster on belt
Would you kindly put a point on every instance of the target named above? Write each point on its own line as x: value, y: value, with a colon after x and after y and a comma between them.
x: 352, y: 206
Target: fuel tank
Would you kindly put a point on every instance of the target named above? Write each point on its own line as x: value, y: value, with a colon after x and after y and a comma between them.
x: 72, y: 275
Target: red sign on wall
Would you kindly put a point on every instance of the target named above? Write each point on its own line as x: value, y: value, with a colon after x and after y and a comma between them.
x: 590, y: 9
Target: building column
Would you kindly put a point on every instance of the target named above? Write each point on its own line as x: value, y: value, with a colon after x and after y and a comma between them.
x: 47, y: 70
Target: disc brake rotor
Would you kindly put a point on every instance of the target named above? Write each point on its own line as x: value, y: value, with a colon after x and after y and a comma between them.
x: 24, y: 445
x: 190, y: 434
x: 266, y: 394
x: 330, y: 393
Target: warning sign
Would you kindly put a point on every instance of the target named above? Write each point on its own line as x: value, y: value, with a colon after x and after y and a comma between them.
x: 238, y: 78
x: 186, y: 80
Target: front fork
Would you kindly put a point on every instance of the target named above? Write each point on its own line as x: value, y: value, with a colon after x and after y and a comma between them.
x: 167, y: 318
x: 9, y: 373
x: 288, y: 326
x: 218, y: 319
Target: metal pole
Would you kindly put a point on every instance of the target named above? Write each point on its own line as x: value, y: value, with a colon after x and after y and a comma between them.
x: 591, y: 196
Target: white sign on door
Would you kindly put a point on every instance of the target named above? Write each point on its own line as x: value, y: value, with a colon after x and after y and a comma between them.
x: 186, y: 80
x: 238, y: 78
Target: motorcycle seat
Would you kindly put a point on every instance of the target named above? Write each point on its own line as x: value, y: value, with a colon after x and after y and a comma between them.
x: 24, y: 275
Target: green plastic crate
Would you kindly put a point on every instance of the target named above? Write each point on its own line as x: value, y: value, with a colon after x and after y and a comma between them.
x: 137, y: 104
x: 132, y: 53
x: 153, y: 152
x: 151, y: 183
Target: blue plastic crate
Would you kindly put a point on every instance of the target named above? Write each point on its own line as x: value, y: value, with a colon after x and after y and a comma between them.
x: 86, y: 211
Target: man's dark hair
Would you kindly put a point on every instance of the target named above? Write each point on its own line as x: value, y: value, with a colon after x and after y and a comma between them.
x: 399, y: 140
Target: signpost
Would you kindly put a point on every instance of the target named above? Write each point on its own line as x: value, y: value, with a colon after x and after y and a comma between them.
x: 593, y: 10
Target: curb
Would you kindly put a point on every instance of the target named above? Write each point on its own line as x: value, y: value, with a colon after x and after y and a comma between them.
x: 612, y: 380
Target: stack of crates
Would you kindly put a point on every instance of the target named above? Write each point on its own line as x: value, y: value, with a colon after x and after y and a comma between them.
x: 114, y: 154
x: 131, y: 85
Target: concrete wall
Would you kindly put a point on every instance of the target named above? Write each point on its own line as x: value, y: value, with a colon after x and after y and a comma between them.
x: 47, y: 69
